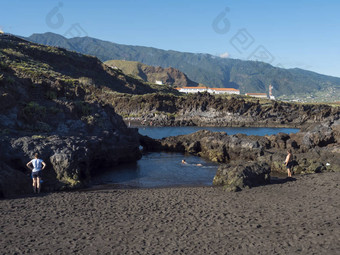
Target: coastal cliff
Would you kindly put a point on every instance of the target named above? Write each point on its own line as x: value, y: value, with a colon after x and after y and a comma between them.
x: 47, y: 105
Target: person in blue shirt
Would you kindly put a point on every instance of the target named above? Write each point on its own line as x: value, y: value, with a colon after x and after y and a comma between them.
x: 36, y: 165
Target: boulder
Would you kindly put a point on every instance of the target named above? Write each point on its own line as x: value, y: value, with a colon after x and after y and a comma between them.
x: 71, y: 160
x: 240, y: 175
x: 278, y: 141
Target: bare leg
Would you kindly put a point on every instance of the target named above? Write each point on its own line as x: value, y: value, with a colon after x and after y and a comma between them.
x: 35, y: 185
x: 38, y: 184
x: 289, y: 172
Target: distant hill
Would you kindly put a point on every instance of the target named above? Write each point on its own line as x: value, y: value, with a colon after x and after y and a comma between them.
x: 248, y: 76
x: 153, y: 74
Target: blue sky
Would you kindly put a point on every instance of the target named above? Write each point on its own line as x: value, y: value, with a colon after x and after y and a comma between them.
x: 290, y: 33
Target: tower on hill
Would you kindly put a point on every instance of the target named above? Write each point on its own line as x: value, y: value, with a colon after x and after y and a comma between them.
x: 271, y: 92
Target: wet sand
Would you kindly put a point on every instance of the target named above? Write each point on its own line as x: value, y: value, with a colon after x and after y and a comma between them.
x: 295, y: 217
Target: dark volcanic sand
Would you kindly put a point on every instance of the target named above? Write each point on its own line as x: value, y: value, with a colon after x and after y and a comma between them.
x: 298, y: 217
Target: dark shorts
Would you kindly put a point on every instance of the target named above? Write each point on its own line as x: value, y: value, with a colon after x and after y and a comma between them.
x: 289, y: 165
x: 36, y: 174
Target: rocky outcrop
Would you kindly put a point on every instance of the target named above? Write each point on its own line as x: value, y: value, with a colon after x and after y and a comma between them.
x: 47, y: 110
x: 215, y: 146
x: 239, y: 175
x: 13, y: 181
x: 71, y: 160
x: 208, y: 110
x: 315, y: 149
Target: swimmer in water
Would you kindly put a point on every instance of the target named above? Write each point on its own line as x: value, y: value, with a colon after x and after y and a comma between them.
x: 184, y: 162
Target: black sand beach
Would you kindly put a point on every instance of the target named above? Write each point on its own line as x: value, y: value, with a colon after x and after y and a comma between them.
x: 295, y: 217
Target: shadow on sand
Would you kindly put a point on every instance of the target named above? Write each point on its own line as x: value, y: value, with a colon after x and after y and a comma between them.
x: 281, y: 180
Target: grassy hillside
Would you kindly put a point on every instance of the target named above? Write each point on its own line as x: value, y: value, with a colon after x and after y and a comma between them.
x: 248, y: 76
x: 152, y: 74
x: 128, y: 67
x: 23, y: 59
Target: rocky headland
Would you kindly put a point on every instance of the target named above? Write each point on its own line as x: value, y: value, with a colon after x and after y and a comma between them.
x: 204, y: 109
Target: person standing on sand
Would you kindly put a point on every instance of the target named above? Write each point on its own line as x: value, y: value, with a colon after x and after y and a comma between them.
x: 38, y: 166
x: 289, y: 163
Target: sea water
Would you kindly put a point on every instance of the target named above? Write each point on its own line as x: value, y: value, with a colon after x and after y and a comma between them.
x: 161, y: 132
x: 161, y: 169
x: 164, y: 169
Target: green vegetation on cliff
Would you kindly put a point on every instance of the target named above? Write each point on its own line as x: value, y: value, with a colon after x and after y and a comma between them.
x: 43, y: 86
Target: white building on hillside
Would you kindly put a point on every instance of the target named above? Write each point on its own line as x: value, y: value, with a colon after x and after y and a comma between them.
x: 192, y: 89
x: 209, y: 90
x: 224, y: 91
x: 259, y: 95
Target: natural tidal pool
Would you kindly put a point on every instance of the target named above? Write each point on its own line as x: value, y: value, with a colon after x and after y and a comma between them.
x: 161, y: 169
x: 164, y: 169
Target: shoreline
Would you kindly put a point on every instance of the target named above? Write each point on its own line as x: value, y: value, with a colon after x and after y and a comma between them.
x: 146, y: 123
x: 296, y: 217
x: 276, y: 177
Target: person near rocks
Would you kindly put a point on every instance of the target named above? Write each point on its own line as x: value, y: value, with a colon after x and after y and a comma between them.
x: 289, y: 162
x: 36, y: 165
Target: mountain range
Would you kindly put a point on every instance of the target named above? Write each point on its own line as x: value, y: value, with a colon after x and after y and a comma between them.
x: 212, y: 71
